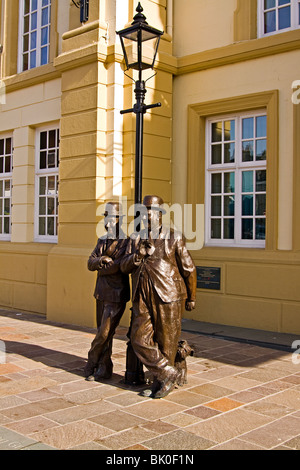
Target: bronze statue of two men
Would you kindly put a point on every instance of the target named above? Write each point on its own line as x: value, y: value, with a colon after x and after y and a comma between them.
x: 163, y: 284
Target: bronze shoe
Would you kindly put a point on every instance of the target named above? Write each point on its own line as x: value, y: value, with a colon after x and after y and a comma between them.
x: 168, y: 384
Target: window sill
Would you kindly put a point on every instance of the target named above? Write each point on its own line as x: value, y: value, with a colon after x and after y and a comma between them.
x: 239, y: 52
x: 31, y: 77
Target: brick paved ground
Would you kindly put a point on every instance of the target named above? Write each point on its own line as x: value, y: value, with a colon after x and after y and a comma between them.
x: 239, y: 396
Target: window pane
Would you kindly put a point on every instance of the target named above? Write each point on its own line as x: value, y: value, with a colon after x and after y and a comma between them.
x: 216, y: 228
x: 33, y: 21
x: 33, y: 40
x: 260, y: 229
x: 42, y: 185
x: 247, y: 152
x: 25, y: 62
x: 228, y: 205
x: 270, y: 4
x: 44, y: 55
x: 51, y: 206
x: 51, y: 185
x: 229, y: 182
x: 229, y: 130
x: 43, y: 140
x: 1, y: 188
x: 216, y: 132
x: 51, y: 160
x: 42, y: 206
x: 283, y: 2
x: 270, y: 21
x: 33, y: 5
x: 229, y: 152
x: 261, y: 126
x: 247, y: 205
x: 216, y: 205
x: 7, y: 188
x: 261, y: 180
x: 50, y: 226
x: 6, y: 225
x: 2, y: 147
x: 284, y: 18
x: 25, y: 42
x: 32, y: 59
x: 216, y: 154
x: 45, y: 16
x: 247, y: 128
x: 1, y: 164
x: 7, y: 164
x: 26, y: 24
x: 216, y: 183
x: 247, y: 182
x: 1, y: 209
x: 8, y: 147
x: 26, y: 6
x: 260, y: 204
x: 6, y: 206
x: 43, y: 162
x: 45, y: 2
x: 42, y: 225
x: 44, y: 36
x: 52, y: 139
x: 229, y: 229
x: 247, y: 229
x: 261, y: 149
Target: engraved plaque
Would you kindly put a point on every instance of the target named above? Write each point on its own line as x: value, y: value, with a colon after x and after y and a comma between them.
x: 208, y: 278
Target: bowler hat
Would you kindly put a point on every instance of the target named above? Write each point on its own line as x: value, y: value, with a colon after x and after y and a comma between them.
x: 154, y: 202
x: 113, y: 208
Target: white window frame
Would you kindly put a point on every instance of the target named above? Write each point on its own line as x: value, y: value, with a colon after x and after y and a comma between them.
x: 238, y: 167
x: 295, y: 18
x: 38, y: 30
x: 45, y: 173
x: 4, y: 176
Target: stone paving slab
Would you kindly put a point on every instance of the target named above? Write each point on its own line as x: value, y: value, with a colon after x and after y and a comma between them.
x: 239, y: 396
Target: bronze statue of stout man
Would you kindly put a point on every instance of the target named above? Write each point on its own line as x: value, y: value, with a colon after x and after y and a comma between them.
x: 112, y: 292
x: 163, y: 283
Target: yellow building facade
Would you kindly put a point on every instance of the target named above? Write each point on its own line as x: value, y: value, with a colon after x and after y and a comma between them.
x: 225, y: 143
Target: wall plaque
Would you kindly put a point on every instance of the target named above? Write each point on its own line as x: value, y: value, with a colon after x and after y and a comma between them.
x: 208, y: 278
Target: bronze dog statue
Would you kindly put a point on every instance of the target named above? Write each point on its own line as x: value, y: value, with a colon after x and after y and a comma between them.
x: 183, y: 351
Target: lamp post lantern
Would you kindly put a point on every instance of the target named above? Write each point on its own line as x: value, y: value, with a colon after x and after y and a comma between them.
x: 135, y: 37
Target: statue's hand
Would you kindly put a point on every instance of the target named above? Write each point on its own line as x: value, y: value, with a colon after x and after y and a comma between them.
x: 105, y: 260
x: 190, y: 305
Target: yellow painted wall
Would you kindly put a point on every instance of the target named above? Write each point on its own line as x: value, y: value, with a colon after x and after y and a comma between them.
x: 209, y: 53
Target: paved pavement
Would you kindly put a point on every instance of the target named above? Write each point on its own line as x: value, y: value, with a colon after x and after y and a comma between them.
x: 240, y: 395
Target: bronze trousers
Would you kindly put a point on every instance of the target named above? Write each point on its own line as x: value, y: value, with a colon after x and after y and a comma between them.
x: 155, y: 328
x: 109, y: 315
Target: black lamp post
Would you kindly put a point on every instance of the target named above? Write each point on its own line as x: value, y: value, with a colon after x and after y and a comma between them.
x: 136, y: 35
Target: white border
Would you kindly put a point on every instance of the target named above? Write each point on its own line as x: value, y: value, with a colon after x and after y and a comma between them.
x: 42, y: 238
x: 238, y: 167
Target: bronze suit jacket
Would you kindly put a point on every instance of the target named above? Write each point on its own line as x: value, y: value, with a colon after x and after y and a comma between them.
x: 170, y: 267
x: 112, y: 285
